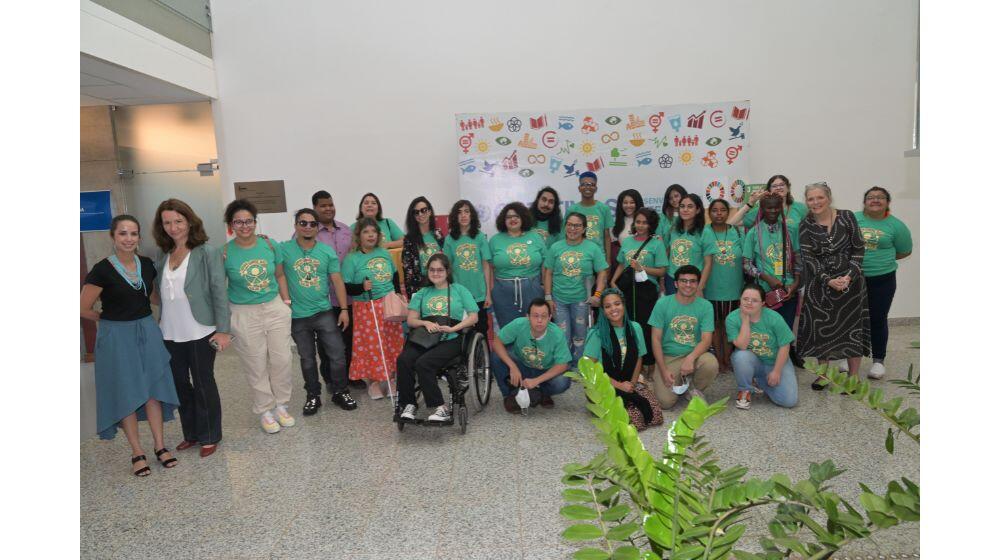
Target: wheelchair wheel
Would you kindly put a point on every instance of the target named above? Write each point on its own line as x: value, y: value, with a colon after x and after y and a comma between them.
x: 400, y: 425
x: 463, y: 418
x: 479, y: 369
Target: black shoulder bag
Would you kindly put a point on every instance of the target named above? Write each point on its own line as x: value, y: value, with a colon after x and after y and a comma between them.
x: 426, y: 339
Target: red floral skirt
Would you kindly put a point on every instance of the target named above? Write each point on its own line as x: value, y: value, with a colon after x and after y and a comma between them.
x: 367, y: 355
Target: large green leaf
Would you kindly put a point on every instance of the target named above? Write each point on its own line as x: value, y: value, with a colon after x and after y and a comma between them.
x: 622, y: 532
x: 616, y: 513
x: 626, y: 553
x: 591, y: 554
x: 582, y: 532
x: 578, y: 513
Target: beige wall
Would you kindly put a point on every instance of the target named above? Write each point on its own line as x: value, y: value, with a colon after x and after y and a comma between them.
x: 98, y: 172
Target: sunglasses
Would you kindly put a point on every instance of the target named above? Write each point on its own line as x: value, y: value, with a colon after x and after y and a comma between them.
x: 421, y: 211
x: 307, y: 223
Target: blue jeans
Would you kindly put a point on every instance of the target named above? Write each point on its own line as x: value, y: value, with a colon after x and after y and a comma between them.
x: 747, y: 367
x: 572, y: 319
x: 512, y: 297
x: 551, y: 387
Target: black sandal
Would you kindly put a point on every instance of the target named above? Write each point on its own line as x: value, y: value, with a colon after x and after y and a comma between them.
x: 144, y: 471
x: 169, y: 463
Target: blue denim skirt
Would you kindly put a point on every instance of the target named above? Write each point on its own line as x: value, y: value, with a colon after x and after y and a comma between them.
x: 131, y: 365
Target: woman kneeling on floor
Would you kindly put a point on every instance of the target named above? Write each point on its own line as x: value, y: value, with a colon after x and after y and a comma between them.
x: 762, y: 342
x: 438, y: 312
x: 619, y: 350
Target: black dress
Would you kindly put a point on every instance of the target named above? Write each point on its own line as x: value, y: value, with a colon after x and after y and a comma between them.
x: 834, y: 324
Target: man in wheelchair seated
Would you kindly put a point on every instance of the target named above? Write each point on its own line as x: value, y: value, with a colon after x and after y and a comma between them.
x: 531, y: 352
x: 437, y: 314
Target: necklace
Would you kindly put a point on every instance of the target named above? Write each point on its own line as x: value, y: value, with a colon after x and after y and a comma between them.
x: 722, y: 248
x: 134, y: 279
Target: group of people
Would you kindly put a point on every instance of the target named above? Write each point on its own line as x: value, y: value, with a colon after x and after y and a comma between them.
x: 664, y: 300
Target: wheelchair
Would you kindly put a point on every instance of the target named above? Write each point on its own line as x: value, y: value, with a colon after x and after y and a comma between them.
x: 472, y: 364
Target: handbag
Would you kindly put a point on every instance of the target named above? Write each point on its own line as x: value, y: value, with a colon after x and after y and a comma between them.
x: 427, y: 339
x: 394, y: 308
x: 628, y: 275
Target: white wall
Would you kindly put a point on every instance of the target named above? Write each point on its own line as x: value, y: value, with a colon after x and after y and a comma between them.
x: 307, y: 90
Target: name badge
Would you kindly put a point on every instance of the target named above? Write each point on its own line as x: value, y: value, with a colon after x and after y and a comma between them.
x: 779, y: 268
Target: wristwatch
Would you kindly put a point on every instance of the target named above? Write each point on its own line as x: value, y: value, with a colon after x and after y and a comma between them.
x: 548, y: 297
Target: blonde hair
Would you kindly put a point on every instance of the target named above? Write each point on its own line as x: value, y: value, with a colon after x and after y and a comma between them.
x: 821, y: 185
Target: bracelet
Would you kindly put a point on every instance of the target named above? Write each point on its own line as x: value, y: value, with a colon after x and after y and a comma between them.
x: 597, y: 293
x: 548, y: 297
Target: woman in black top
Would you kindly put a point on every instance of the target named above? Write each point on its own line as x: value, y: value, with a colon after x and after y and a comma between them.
x: 132, y: 366
x: 422, y: 240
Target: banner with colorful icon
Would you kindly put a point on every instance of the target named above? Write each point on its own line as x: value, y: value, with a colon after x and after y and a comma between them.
x: 509, y: 156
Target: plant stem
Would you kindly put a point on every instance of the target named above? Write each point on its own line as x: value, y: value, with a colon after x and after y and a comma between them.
x: 597, y: 505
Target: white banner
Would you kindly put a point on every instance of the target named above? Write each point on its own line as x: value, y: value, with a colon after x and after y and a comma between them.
x: 504, y: 157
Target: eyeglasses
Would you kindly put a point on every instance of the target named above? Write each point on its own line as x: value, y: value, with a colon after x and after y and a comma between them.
x: 687, y: 281
x: 573, y: 225
x: 589, y: 185
x: 512, y: 217
x: 876, y: 197
x: 244, y: 223
x: 750, y: 300
x: 306, y: 223
x: 437, y: 270
x: 421, y: 211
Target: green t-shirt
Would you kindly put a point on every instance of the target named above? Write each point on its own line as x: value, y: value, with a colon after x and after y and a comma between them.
x: 390, y: 231
x: 688, y: 248
x: 430, y: 249
x: 726, y: 281
x: 682, y: 325
x: 771, y: 242
x: 542, y: 229
x: 467, y: 256
x: 592, y: 347
x: 653, y: 254
x: 767, y: 336
x: 883, y: 239
x: 793, y: 215
x: 541, y: 354
x: 517, y: 257
x: 570, y: 265
x: 664, y: 225
x: 308, y: 274
x: 376, y: 266
x: 430, y: 301
x: 251, y: 273
x: 599, y: 219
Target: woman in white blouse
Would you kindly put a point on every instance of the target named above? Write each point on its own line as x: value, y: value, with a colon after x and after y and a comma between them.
x: 194, y: 318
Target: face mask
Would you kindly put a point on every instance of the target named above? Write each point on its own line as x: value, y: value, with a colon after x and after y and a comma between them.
x: 641, y: 276
x: 681, y: 389
x: 523, y: 399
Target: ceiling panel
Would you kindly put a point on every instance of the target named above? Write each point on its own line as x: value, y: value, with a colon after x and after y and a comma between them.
x: 103, y: 83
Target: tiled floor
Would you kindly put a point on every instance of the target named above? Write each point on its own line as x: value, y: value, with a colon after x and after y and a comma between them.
x: 349, y: 485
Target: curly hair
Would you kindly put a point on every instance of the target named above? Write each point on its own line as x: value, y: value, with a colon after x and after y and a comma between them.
x: 454, y: 228
x: 527, y: 222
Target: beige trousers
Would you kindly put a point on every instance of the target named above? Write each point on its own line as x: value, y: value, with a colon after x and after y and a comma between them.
x: 264, y: 344
x: 706, y: 368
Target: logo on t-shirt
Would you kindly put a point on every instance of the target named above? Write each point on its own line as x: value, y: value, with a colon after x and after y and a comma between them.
x: 466, y: 253
x: 518, y: 254
x: 427, y: 252
x: 543, y: 233
x: 871, y: 237
x: 680, y: 252
x: 726, y: 255
x: 630, y: 255
x: 773, y: 252
x: 592, y: 222
x: 759, y: 346
x: 683, y: 328
x: 306, y: 268
x: 570, y: 261
x: 379, y: 267
x: 533, y: 356
x: 437, y: 305
x: 254, y: 273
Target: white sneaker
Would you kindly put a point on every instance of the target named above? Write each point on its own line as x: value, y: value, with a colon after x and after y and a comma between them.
x: 284, y: 418
x: 842, y: 366
x: 442, y: 414
x: 877, y: 371
x: 268, y: 423
x: 409, y: 412
x: 743, y: 400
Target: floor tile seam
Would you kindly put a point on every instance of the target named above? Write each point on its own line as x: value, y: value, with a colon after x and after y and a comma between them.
x: 451, y: 492
x: 519, y: 457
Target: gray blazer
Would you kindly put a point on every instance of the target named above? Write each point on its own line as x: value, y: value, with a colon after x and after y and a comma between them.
x: 205, y: 286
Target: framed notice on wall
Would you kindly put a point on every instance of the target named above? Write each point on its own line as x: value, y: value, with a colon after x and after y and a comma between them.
x: 95, y: 210
x: 268, y: 196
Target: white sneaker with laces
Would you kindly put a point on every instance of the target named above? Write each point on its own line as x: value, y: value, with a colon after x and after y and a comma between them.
x: 268, y: 423
x: 743, y: 400
x: 442, y: 414
x: 409, y: 412
x: 877, y: 371
x: 284, y: 418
